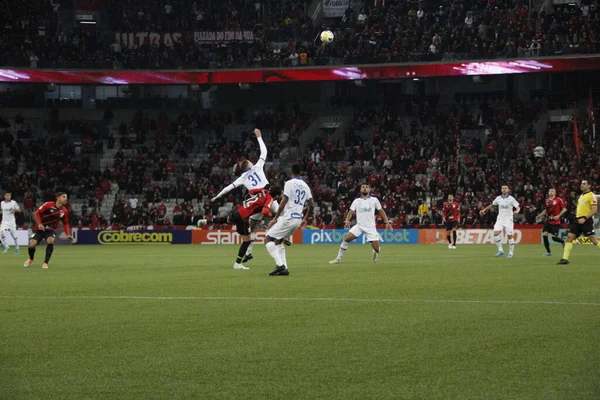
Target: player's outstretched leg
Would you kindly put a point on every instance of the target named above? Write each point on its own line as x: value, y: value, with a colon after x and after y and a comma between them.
x: 547, y: 245
x: 498, y: 241
x: 13, y: 233
x: 49, y: 251
x: 559, y: 240
x: 32, y: 245
x: 4, y: 241
x: 343, y: 247
x: 376, y: 250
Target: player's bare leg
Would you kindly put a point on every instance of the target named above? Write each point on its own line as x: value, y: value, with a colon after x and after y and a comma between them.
x: 376, y: 250
x: 343, y: 247
x: 511, y: 246
x: 32, y: 245
x: 498, y: 241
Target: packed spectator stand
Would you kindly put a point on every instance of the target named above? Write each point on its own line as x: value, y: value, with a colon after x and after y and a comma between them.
x: 281, y: 33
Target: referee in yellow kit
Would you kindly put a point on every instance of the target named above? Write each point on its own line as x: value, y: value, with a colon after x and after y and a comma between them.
x: 587, y: 206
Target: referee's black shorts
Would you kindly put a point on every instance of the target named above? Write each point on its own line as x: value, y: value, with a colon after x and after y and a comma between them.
x: 585, y: 229
x: 553, y: 229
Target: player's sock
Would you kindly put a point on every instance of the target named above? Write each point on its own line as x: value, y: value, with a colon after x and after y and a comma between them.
x: 511, y: 246
x: 281, y: 249
x: 454, y: 236
x: 15, y: 239
x: 31, y: 253
x: 343, y: 248
x: 274, y: 252
x: 498, y: 241
x: 49, y: 250
x: 547, y: 244
x: 3, y: 239
x: 567, y: 251
x: 558, y: 240
x: 242, y: 251
x: 449, y: 238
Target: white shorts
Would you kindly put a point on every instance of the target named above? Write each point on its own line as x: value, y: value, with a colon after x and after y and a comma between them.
x: 284, y: 228
x: 9, y: 228
x: 371, y: 233
x: 507, y: 227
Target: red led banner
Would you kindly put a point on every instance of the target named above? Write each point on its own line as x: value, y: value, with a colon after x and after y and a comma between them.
x: 110, y: 77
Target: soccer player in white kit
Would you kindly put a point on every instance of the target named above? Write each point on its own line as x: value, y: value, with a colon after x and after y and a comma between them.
x: 508, y: 206
x: 365, y: 208
x: 9, y: 224
x: 254, y: 179
x: 288, y: 219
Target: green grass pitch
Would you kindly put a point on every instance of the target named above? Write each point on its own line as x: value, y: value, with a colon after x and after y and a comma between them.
x: 177, y: 322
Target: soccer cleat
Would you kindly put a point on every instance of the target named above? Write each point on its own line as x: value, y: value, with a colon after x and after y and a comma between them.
x: 499, y: 254
x: 450, y: 246
x: 453, y: 247
x: 287, y: 242
x: 247, y: 258
x: 17, y: 252
x: 547, y: 255
x: 28, y: 263
x: 563, y: 262
x: 280, y: 271
x: 375, y: 256
x: 6, y: 249
x: 510, y: 255
x: 45, y: 265
x: 239, y: 266
x: 335, y: 261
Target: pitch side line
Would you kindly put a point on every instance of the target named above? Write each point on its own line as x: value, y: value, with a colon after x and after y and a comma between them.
x: 322, y: 299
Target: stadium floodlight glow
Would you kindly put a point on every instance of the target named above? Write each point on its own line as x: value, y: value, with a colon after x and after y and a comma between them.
x: 88, y: 22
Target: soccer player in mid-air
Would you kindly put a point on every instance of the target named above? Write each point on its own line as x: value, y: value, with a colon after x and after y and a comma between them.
x: 451, y: 217
x: 365, y: 208
x: 508, y: 206
x: 554, y: 210
x: 289, y: 218
x: 9, y: 224
x: 587, y: 207
x: 254, y: 179
x: 47, y: 217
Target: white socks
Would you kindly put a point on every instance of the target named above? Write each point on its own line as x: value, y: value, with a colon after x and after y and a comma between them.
x: 498, y: 241
x: 275, y: 253
x: 252, y: 239
x: 343, y: 248
x: 511, y: 246
x: 281, y: 249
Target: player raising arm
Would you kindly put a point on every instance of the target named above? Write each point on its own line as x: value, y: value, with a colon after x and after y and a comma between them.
x: 364, y: 207
x: 508, y: 206
x: 9, y: 224
x: 47, y: 218
x: 555, y: 208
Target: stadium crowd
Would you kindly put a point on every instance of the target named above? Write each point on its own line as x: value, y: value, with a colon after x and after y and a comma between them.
x: 410, y: 166
x: 283, y: 34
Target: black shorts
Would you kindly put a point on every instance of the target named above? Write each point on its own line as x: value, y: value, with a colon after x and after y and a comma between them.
x: 585, y: 229
x: 38, y: 236
x: 553, y: 229
x: 242, y: 225
x: 451, y: 225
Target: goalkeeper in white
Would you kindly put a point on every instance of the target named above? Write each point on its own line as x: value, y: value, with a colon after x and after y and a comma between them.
x: 365, y: 208
x: 9, y: 224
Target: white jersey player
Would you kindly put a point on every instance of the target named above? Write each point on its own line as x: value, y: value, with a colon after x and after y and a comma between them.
x: 254, y: 221
x: 365, y: 208
x: 508, y: 206
x: 253, y: 176
x: 9, y: 224
x: 289, y: 218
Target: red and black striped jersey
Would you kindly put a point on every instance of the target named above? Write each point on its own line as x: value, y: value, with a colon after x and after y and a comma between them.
x: 50, y: 215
